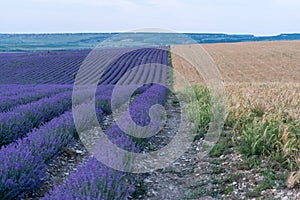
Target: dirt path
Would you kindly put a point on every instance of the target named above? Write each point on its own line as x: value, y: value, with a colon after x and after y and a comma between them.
x: 170, y: 182
x: 226, y: 176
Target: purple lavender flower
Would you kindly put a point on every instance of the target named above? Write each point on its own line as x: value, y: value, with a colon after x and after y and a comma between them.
x: 93, y: 181
x: 23, y: 97
x: 15, y: 124
x: 22, y: 166
x: 20, y: 172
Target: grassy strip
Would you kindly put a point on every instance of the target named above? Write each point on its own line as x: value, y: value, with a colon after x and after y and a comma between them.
x: 199, y: 108
x: 264, y: 125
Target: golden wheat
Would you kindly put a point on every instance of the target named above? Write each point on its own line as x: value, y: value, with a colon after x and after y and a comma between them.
x: 278, y: 101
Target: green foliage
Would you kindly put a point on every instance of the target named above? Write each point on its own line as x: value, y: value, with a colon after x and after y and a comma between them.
x: 222, y: 147
x: 260, y: 137
x: 249, y: 163
x: 199, y: 107
x: 269, y: 136
x: 170, y: 81
x: 218, y: 149
x: 140, y: 190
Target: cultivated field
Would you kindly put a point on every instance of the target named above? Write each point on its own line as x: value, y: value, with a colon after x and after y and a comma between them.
x: 43, y: 157
x: 262, y: 84
x: 257, y: 62
x: 38, y: 135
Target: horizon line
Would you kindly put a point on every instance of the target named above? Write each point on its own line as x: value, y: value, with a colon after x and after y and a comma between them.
x: 118, y: 32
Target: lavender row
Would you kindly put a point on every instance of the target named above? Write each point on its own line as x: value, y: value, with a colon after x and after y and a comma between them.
x: 59, y: 67
x: 7, y: 103
x: 104, y: 93
x: 157, y: 94
x: 94, y: 181
x: 23, y: 163
x: 16, y: 123
x: 42, y: 67
x: 97, y: 181
x: 146, y: 57
x: 13, y: 89
x: 7, y: 90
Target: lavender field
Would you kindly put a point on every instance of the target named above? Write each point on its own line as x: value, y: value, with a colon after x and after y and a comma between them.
x: 52, y: 104
x: 37, y: 126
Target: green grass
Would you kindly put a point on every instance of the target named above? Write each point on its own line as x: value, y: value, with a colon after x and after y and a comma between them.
x: 199, y: 108
x: 140, y: 190
x: 269, y: 136
x: 222, y: 147
x: 257, y: 132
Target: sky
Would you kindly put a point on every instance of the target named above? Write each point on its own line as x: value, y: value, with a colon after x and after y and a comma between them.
x: 258, y: 17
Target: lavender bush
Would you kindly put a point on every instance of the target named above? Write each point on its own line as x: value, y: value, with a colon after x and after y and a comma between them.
x: 8, y: 102
x: 7, y: 90
x: 142, y: 122
x: 20, y: 172
x: 18, y: 122
x: 97, y: 181
x: 156, y: 94
x: 93, y: 181
x: 23, y: 163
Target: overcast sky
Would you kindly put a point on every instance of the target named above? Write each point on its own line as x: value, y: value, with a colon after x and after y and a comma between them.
x: 259, y: 17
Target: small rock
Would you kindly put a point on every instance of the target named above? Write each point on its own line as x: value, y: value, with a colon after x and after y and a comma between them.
x: 154, y: 192
x: 148, y: 181
x: 225, y: 163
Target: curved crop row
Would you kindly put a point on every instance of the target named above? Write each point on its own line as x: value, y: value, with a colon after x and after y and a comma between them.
x: 59, y: 67
x: 51, y: 67
x: 157, y: 94
x: 16, y: 123
x: 94, y: 180
x: 9, y: 102
x: 23, y: 164
x: 148, y: 70
x: 7, y: 90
